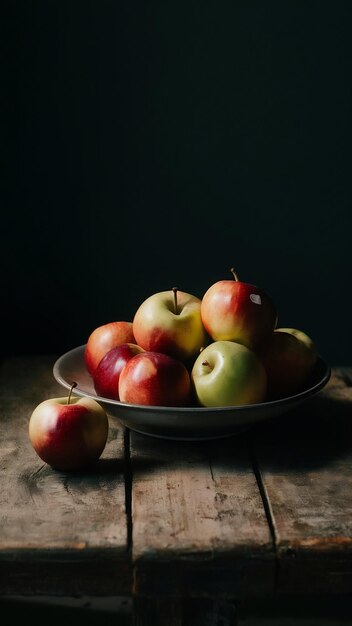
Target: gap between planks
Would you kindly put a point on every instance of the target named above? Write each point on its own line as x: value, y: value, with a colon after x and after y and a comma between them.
x: 267, y: 507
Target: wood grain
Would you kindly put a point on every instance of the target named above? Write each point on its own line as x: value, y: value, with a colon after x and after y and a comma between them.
x: 174, y: 523
x: 59, y: 530
x: 199, y: 527
x: 305, y: 463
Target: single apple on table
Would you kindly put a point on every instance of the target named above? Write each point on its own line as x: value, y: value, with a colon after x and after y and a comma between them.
x: 233, y: 310
x: 170, y: 322
x: 289, y: 357
x: 227, y: 373
x: 155, y: 379
x: 104, y: 338
x: 68, y: 433
x: 107, y: 373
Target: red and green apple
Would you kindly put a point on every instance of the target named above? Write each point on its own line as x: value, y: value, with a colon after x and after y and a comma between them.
x: 170, y: 322
x: 68, y: 433
x: 289, y: 357
x: 233, y: 310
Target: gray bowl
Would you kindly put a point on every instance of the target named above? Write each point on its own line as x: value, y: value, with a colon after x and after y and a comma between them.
x: 185, y: 423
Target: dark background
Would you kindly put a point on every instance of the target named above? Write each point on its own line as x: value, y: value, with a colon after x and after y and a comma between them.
x: 148, y: 145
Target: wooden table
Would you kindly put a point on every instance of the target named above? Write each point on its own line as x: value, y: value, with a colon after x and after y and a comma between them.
x: 188, y: 529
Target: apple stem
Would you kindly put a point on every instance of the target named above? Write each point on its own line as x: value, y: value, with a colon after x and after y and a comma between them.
x: 232, y: 270
x: 175, y: 290
x: 205, y: 363
x: 70, y: 393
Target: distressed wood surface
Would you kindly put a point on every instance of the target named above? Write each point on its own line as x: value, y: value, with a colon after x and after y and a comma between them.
x: 198, y: 522
x: 61, y: 532
x: 269, y: 511
x: 305, y: 463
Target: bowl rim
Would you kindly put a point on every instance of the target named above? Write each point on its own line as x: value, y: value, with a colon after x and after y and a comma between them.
x: 302, y: 395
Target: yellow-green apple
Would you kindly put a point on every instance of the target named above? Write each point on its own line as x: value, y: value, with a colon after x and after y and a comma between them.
x: 233, y: 310
x: 170, y: 322
x: 68, y: 434
x: 107, y: 373
x: 105, y: 337
x: 289, y: 357
x: 227, y: 373
x: 155, y: 379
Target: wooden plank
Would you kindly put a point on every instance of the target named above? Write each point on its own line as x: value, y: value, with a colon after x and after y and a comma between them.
x: 61, y: 532
x: 305, y: 462
x: 199, y: 527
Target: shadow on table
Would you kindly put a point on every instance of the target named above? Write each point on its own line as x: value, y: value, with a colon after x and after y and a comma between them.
x: 312, y: 435
x: 285, y: 610
x: 70, y: 613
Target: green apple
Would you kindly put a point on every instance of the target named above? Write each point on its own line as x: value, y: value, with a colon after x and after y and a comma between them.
x: 170, y: 322
x: 227, y: 373
x: 288, y: 357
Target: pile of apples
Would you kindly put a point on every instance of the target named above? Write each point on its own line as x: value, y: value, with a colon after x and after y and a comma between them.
x: 220, y: 350
x: 179, y: 350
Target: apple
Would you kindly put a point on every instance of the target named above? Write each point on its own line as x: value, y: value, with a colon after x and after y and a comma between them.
x: 103, y: 338
x: 227, y: 373
x: 107, y: 373
x: 302, y: 336
x: 288, y: 357
x: 233, y: 310
x: 170, y: 322
x: 68, y: 434
x: 156, y: 379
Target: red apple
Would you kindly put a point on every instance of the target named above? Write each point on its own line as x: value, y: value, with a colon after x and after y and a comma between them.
x: 156, y: 379
x: 107, y: 373
x: 105, y: 337
x: 232, y: 310
x: 68, y: 434
x: 170, y: 322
